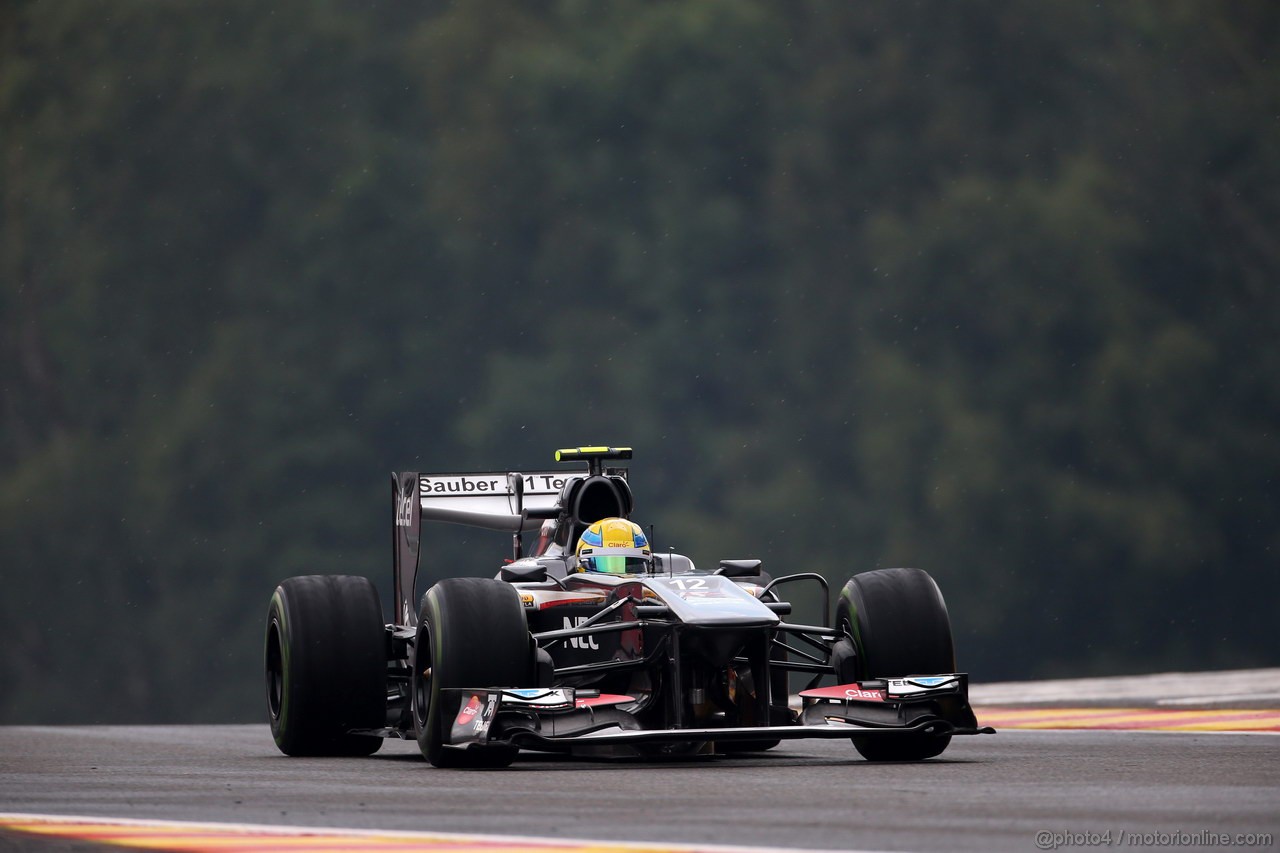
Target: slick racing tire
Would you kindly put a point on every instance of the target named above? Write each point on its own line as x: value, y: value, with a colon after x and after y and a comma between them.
x: 471, y: 633
x: 899, y: 625
x: 326, y: 665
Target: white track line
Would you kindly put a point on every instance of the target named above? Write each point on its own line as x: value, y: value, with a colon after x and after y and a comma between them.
x: 1208, y: 688
x: 1220, y: 698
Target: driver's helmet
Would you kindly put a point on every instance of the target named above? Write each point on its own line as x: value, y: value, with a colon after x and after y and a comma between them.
x: 614, y: 546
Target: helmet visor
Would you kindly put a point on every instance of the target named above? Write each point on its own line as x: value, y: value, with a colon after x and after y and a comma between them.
x: 631, y: 563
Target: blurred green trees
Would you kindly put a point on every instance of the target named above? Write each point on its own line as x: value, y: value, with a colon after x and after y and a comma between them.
x: 987, y: 289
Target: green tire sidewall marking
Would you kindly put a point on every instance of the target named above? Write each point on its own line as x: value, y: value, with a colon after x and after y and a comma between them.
x: 433, y: 603
x: 854, y: 628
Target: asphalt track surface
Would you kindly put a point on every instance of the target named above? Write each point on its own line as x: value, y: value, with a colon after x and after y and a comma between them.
x: 993, y: 792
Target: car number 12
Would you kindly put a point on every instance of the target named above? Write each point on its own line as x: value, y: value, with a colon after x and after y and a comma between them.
x: 688, y: 583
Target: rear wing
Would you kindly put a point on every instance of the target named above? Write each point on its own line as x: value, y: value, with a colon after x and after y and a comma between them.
x: 482, y: 499
x: 510, y: 502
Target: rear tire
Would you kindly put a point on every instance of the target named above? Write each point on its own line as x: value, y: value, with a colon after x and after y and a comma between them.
x: 899, y: 625
x: 326, y: 665
x: 471, y: 633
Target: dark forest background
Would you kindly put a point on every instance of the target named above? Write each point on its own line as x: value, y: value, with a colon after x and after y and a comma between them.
x: 989, y: 288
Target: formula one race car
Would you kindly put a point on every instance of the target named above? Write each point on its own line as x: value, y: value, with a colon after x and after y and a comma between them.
x: 574, y: 651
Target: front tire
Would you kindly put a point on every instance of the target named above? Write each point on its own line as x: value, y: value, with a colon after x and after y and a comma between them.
x: 899, y: 626
x: 471, y: 633
x: 326, y: 665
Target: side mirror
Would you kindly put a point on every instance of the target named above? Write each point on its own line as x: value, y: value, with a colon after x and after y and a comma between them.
x: 515, y: 573
x: 739, y: 568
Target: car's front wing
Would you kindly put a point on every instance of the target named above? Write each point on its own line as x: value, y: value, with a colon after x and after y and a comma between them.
x: 560, y: 719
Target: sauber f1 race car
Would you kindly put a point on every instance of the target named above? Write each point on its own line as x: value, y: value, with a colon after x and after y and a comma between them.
x: 659, y: 659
